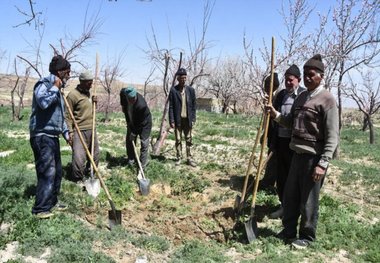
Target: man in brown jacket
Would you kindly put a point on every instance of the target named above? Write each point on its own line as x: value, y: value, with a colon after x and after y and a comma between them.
x: 315, y: 135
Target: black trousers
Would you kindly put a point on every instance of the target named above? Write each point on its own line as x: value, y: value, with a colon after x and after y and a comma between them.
x: 301, y: 198
x: 284, y: 158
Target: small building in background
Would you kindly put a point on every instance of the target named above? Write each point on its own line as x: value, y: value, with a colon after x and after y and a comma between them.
x: 209, y: 104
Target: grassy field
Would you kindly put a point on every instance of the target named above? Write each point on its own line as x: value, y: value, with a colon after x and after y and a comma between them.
x: 188, y: 216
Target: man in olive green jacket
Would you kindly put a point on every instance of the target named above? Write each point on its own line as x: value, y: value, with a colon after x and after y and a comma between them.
x: 81, y: 107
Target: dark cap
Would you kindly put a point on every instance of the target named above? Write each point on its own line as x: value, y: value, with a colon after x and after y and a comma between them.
x: 181, y: 72
x: 276, y: 82
x: 294, y: 71
x: 315, y: 63
x: 58, y: 63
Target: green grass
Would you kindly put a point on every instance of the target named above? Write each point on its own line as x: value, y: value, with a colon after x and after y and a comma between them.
x: 343, y: 223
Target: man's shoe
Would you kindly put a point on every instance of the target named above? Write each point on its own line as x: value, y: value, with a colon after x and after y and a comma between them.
x: 277, y: 214
x: 286, y: 238
x: 130, y: 162
x: 60, y: 207
x: 300, y: 243
x: 177, y: 161
x: 44, y: 215
x: 191, y: 163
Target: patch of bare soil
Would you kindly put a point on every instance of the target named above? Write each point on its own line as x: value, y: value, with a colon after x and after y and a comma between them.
x: 9, y: 254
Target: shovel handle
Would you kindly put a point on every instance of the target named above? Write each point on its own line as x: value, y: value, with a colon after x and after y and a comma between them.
x: 250, y: 163
x: 86, y: 149
x: 94, y: 112
x: 266, y: 125
x: 138, y: 159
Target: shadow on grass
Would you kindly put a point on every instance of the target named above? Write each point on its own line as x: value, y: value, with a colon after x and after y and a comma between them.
x: 159, y: 158
x: 115, y: 161
x: 30, y: 191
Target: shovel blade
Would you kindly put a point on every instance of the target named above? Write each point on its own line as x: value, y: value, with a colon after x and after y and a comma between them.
x: 114, y: 218
x: 251, y: 229
x: 92, y: 186
x: 144, y: 186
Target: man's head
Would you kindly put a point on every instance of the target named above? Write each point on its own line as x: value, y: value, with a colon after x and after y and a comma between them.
x: 313, y: 72
x: 60, y: 67
x: 131, y: 94
x: 292, y: 78
x: 85, y: 79
x: 276, y: 83
x: 181, y: 77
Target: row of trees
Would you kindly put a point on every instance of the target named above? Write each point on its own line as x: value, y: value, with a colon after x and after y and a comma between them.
x: 347, y: 36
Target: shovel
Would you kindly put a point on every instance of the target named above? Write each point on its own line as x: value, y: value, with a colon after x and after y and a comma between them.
x: 239, y: 200
x: 144, y: 183
x: 92, y: 184
x: 114, y: 215
x: 251, y: 224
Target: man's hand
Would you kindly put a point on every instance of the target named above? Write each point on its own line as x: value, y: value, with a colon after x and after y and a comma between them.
x: 70, y: 140
x: 95, y: 99
x: 318, y: 174
x: 58, y: 82
x: 270, y: 109
x: 132, y: 136
x: 172, y: 125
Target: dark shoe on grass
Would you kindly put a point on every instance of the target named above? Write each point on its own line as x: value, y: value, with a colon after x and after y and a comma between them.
x: 44, y: 215
x: 191, y: 163
x: 288, y: 239
x: 300, y: 243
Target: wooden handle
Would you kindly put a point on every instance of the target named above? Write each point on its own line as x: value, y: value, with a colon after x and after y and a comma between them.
x: 138, y: 160
x: 86, y: 149
x: 94, y: 111
x: 251, y: 161
x: 266, y: 125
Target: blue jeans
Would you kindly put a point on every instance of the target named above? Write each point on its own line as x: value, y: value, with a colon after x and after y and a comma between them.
x: 47, y: 158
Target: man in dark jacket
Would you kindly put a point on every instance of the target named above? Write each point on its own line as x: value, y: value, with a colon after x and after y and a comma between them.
x: 46, y: 124
x: 139, y: 123
x: 280, y: 136
x: 182, y: 115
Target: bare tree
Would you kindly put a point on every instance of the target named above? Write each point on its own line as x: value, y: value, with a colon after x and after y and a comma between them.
x: 149, y: 79
x: 367, y: 97
x: 227, y: 82
x: 31, y: 15
x: 19, y: 89
x: 109, y: 74
x: 295, y: 15
x: 353, y: 41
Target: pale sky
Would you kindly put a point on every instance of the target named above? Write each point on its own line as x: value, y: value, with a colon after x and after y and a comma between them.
x: 127, y: 24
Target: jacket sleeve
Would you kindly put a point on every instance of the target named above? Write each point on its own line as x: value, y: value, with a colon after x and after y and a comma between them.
x: 331, y: 131
x: 194, y: 106
x: 68, y: 120
x: 171, y: 108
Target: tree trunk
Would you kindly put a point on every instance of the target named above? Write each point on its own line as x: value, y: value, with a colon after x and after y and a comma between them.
x: 371, y: 131
x: 365, y: 123
x: 107, y: 106
x: 163, y: 130
x: 14, y: 117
